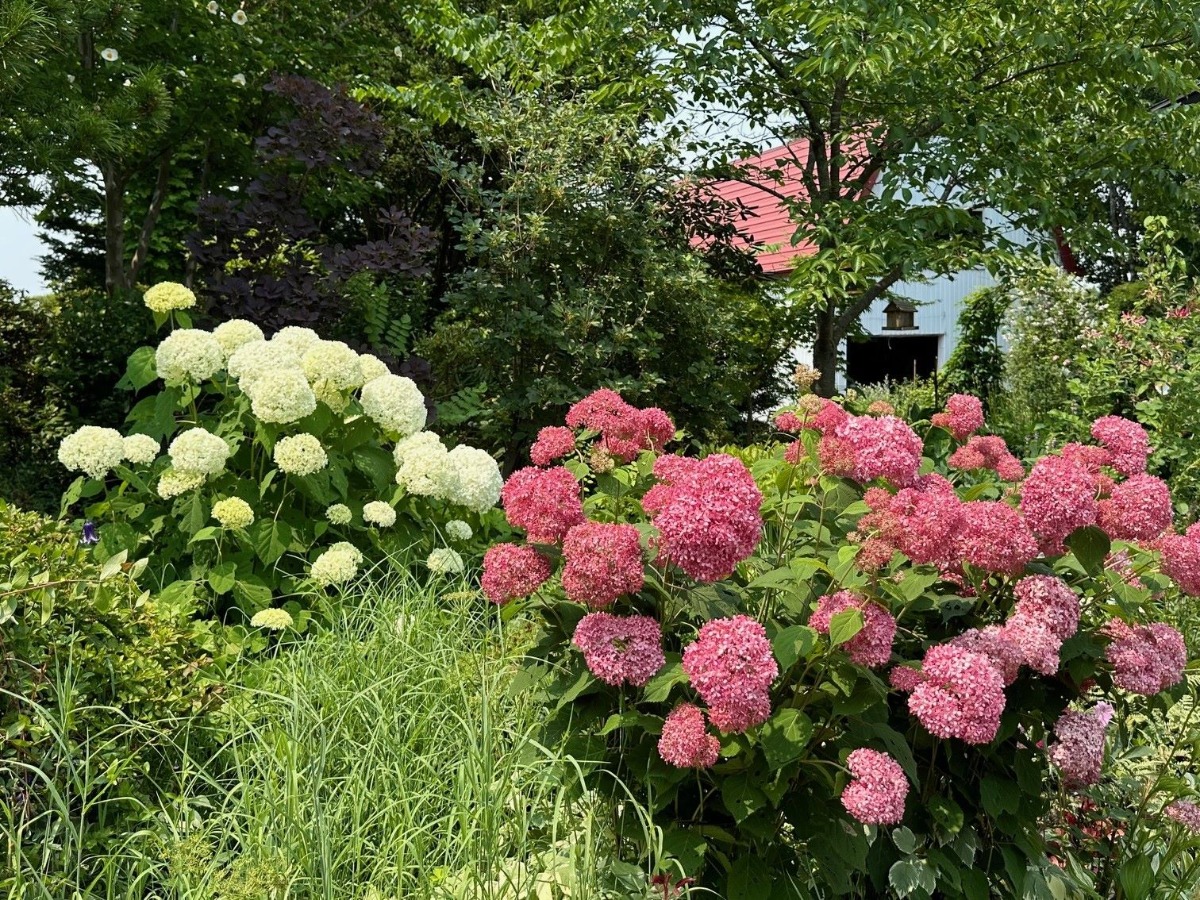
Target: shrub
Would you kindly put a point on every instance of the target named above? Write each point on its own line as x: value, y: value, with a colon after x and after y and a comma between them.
x: 859, y: 664
x: 977, y: 364
x: 274, y: 448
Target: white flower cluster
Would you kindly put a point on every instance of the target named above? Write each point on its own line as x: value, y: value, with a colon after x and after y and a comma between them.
x: 233, y: 513
x: 337, y: 564
x: 333, y: 364
x: 475, y: 479
x: 254, y: 358
x: 379, y: 513
x: 458, y: 530
x: 338, y: 514
x: 421, y: 464
x: 296, y: 339
x: 200, y: 452
x: 465, y: 475
x: 173, y: 482
x: 372, y: 367
x: 271, y: 619
x: 140, y: 449
x: 233, y: 334
x: 92, y: 450
x: 280, y: 395
x: 395, y: 404
x: 445, y: 561
x: 300, y: 454
x: 168, y: 295
x: 188, y: 354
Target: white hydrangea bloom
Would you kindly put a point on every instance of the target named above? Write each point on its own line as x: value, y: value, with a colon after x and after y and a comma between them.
x: 271, y: 619
x: 372, y: 367
x: 300, y: 454
x: 335, y: 565
x: 379, y: 513
x: 395, y: 404
x: 338, y: 514
x: 347, y: 547
x: 139, y: 449
x: 296, y: 339
x: 92, y: 450
x: 172, y: 483
x: 475, y: 480
x: 188, y: 354
x: 422, y: 465
x: 254, y: 358
x: 199, y: 451
x: 235, y: 333
x: 168, y: 295
x: 233, y: 513
x: 333, y: 363
x: 280, y: 395
x: 445, y: 561
x: 458, y: 530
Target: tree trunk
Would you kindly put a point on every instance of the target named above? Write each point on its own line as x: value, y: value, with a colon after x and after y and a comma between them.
x: 115, y: 279
x: 825, y: 352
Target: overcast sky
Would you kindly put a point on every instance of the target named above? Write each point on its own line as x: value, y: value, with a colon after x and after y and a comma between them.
x: 19, y: 252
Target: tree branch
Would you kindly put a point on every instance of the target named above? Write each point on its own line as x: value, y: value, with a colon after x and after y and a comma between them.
x: 151, y: 219
x: 864, y: 301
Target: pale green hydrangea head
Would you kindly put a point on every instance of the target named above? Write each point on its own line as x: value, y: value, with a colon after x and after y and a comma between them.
x: 296, y: 339
x: 422, y: 464
x: 336, y: 565
x: 173, y: 482
x: 334, y: 364
x: 372, y: 367
x: 445, y: 561
x: 188, y: 355
x: 379, y: 513
x: 140, y: 449
x: 281, y: 396
x: 300, y: 454
x: 395, y: 404
x: 458, y: 530
x: 233, y: 512
x: 338, y: 514
x: 475, y: 480
x: 236, y: 332
x: 92, y: 450
x: 200, y: 452
x: 254, y: 358
x: 169, y: 295
x: 271, y: 619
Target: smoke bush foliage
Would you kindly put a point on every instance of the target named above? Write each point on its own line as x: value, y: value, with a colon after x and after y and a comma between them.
x: 867, y: 660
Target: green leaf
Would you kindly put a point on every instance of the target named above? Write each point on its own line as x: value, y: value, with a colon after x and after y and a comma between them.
x: 741, y: 797
x: 658, y: 688
x: 906, y: 875
x: 845, y: 625
x: 974, y: 884
x: 749, y: 879
x: 252, y: 595
x: 140, y: 370
x: 793, y: 643
x: 904, y: 839
x: 270, y: 539
x: 785, y: 736
x: 377, y: 464
x: 774, y: 578
x: 1091, y: 547
x: 1137, y: 878
x: 112, y: 565
x: 946, y: 813
x: 999, y: 796
x: 222, y: 577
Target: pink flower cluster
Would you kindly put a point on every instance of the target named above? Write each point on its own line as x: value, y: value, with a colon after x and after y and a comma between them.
x: 963, y: 416
x: 957, y: 693
x: 620, y: 649
x: 624, y: 430
x: 707, y: 512
x: 731, y: 667
x: 789, y: 422
x: 1181, y: 559
x: 603, y: 562
x: 547, y: 503
x: 865, y: 448
x: 552, y: 444
x: 994, y: 537
x: 1046, y: 614
x: 1137, y: 509
x: 1146, y: 659
x: 685, y: 741
x: 872, y: 646
x: 511, y: 571
x: 987, y: 452
x: 1126, y: 441
x: 1078, y: 751
x: 877, y: 789
x: 1186, y: 813
x: 1058, y: 497
x: 996, y: 644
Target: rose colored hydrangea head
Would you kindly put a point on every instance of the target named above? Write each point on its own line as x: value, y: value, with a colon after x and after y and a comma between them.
x: 794, y: 453
x: 624, y: 430
x: 790, y: 422
x: 603, y: 562
x: 921, y: 521
x: 828, y: 417
x: 1137, y: 509
x: 994, y: 537
x: 731, y: 667
x: 997, y: 645
x: 1126, y: 441
x: 883, y: 447
x: 1181, y: 561
x: 545, y: 502
x: 685, y: 742
x: 872, y: 646
x: 1058, y: 497
x: 877, y: 788
x: 1146, y: 659
x: 620, y: 649
x: 552, y: 444
x: 963, y: 416
x: 987, y: 452
x: 511, y: 571
x: 1186, y: 813
x: 957, y: 694
x: 836, y: 456
x: 1078, y: 751
x: 1094, y: 459
x: 707, y: 512
x: 1049, y: 600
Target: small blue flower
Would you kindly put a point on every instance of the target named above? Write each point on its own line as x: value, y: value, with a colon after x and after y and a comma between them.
x: 89, y: 533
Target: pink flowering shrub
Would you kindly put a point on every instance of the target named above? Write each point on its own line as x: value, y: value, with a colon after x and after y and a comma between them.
x: 787, y: 641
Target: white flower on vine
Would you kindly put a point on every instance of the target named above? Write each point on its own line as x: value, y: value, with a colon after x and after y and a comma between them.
x: 239, y: 17
x: 109, y: 54
x: 239, y: 79
x: 213, y: 7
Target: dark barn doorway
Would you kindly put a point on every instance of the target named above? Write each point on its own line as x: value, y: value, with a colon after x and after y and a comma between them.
x: 880, y: 359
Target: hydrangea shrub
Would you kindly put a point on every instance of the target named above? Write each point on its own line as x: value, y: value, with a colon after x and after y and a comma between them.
x: 870, y: 659
x: 263, y: 468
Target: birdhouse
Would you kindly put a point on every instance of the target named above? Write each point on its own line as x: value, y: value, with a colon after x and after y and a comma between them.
x: 899, y: 315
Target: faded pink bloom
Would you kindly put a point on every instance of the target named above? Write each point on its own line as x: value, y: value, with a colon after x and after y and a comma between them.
x: 1050, y: 601
x: 794, y: 453
x: 905, y: 678
x: 987, y: 452
x: 1126, y: 441
x: 881, y: 408
x: 836, y: 456
x: 1138, y: 509
x: 706, y: 512
x: 1186, y: 813
x: 545, y: 502
x: 994, y: 537
x: 883, y: 447
x: 603, y: 562
x: 997, y: 645
x: 552, y: 444
x: 620, y: 649
x: 1078, y: 751
x: 963, y: 416
x: 960, y: 694
x: 1146, y: 659
x: 1058, y: 497
x: 731, y: 667
x: 685, y: 742
x: 829, y: 417
x: 872, y: 646
x: 511, y: 571
x: 1181, y: 561
x: 789, y: 422
x: 877, y: 789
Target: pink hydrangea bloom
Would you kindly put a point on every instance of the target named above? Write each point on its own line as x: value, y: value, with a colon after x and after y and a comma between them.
x: 960, y: 694
x: 921, y: 521
x: 905, y: 678
x: 883, y: 447
x: 1185, y: 813
x: 619, y: 649
x: 829, y: 417
x: 1091, y: 458
x: 987, y: 452
x: 552, y: 444
x: 794, y: 453
x: 599, y: 410
x: 1181, y: 561
x: 707, y: 512
x: 789, y: 422
x: 1146, y: 659
x: 731, y: 667
x: 685, y: 741
x: 963, y: 416
x: 545, y: 502
x: 624, y: 430
x: 872, y: 646
x: 603, y: 562
x: 1078, y: 750
x: 1038, y: 645
x: 1058, y: 497
x: 1126, y: 441
x: 996, y: 644
x: 881, y: 408
x: 1138, y: 509
x: 877, y: 789
x: 836, y: 456
x: 994, y: 537
x: 1049, y: 600
x: 511, y: 571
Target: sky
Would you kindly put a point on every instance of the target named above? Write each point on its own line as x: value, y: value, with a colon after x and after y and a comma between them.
x: 19, y: 251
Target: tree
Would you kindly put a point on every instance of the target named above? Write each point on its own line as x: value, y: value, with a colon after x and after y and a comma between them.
x: 1028, y: 107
